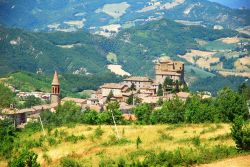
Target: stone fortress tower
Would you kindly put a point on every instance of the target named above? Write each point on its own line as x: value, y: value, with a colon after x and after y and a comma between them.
x: 55, y: 92
x: 168, y: 68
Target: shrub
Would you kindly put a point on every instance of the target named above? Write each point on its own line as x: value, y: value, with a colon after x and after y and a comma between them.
x: 52, y: 141
x: 98, y: 132
x: 26, y: 158
x: 68, y: 162
x: 165, y: 136
x: 33, y: 143
x: 196, y: 141
x: 138, y: 141
x: 114, y: 141
x: 74, y: 139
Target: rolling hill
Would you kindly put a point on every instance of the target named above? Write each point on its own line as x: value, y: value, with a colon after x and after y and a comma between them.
x: 82, y: 55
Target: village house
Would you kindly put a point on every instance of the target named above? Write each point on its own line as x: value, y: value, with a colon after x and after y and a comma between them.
x: 41, y: 95
x: 116, y: 88
x: 138, y: 82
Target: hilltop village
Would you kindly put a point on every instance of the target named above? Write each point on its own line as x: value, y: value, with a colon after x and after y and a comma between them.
x: 168, y: 83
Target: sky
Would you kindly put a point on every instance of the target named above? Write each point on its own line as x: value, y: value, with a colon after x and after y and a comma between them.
x: 234, y: 3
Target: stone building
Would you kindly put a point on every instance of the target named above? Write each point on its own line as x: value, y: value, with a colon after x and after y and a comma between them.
x: 116, y: 88
x: 139, y: 82
x: 168, y: 68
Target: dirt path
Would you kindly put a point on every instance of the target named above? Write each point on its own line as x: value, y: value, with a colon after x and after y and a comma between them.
x: 242, y: 161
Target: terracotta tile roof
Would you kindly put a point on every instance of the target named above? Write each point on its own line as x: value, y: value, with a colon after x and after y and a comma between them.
x: 113, y: 86
x: 138, y: 78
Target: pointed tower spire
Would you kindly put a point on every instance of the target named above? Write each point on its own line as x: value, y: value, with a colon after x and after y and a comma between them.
x: 55, y: 90
x: 55, y: 79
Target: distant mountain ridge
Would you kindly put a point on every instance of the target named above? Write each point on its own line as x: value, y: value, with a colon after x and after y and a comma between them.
x: 91, y: 15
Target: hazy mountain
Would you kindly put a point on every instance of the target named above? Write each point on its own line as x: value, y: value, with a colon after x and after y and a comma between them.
x: 64, y: 15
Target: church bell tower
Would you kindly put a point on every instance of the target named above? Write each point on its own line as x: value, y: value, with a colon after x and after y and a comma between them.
x: 55, y: 92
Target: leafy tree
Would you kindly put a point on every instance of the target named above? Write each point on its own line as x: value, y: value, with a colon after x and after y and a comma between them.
x: 6, y: 96
x: 244, y: 89
x: 110, y: 95
x: 104, y: 118
x: 114, y: 107
x: 240, y: 134
x: 198, y: 110
x: 32, y: 101
x: 26, y: 158
x: 90, y: 117
x: 231, y: 104
x: 160, y: 91
x: 143, y: 112
x: 172, y: 111
x: 69, y: 112
x: 177, y: 87
x: 132, y: 87
x: 168, y: 83
x: 7, y: 137
x: 133, y: 100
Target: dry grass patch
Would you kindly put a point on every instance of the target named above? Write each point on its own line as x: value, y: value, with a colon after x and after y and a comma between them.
x: 157, y: 138
x: 201, y: 58
x: 230, y: 40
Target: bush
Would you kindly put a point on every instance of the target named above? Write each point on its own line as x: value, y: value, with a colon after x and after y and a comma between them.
x: 240, y: 134
x: 188, y: 157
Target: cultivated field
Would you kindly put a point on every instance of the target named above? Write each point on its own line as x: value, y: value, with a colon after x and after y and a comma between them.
x: 93, y: 146
x: 115, y: 10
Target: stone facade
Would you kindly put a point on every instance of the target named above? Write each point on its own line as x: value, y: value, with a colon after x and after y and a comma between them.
x: 139, y: 82
x: 116, y: 88
x: 167, y: 68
